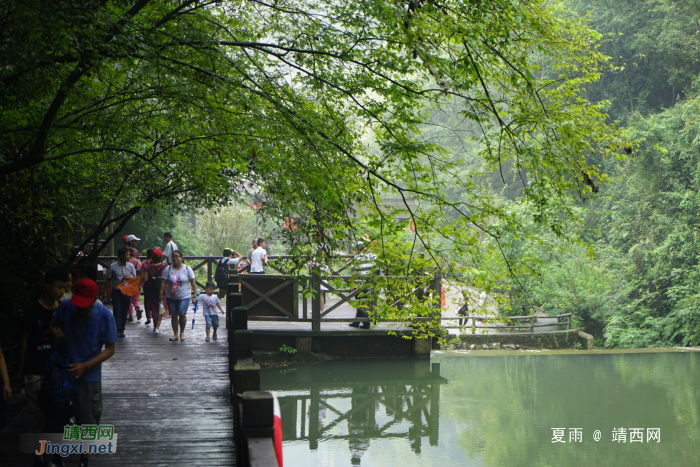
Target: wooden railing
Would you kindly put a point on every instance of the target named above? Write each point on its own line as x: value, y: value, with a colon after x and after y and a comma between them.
x: 532, y: 322
x: 309, y: 285
x: 306, y: 286
x: 253, y: 409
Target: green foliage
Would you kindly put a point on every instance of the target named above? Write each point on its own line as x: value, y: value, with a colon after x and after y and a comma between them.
x: 641, y: 287
x: 229, y: 227
x: 112, y: 111
x: 654, y: 222
x: 653, y: 46
x: 287, y: 349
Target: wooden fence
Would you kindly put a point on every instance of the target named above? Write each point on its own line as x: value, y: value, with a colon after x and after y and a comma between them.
x: 253, y: 414
x: 307, y: 289
x: 563, y: 320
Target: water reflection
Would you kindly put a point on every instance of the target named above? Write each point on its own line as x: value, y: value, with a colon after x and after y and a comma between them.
x: 359, y: 402
x: 495, y: 410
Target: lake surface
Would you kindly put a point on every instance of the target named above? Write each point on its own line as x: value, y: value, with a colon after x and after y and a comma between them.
x: 491, y: 409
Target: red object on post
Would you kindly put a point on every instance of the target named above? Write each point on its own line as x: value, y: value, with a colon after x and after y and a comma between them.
x: 277, y: 429
x: 443, y: 301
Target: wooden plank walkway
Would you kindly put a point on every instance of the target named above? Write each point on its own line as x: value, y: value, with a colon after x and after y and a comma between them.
x: 168, y: 401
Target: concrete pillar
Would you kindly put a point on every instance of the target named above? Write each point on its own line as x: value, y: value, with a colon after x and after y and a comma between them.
x: 303, y: 345
x: 421, y: 347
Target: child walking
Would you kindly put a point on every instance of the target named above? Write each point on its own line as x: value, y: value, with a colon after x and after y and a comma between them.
x: 209, y: 304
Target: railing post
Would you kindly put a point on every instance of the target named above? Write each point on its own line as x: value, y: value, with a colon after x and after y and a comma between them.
x: 257, y: 409
x: 242, y: 344
x: 209, y: 261
x: 437, y: 297
x: 304, y: 300
x: 532, y: 323
x: 315, y: 301
x: 233, y: 293
x: 246, y: 377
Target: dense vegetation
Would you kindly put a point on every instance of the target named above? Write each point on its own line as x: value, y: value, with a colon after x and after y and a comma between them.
x: 640, y: 285
x: 499, y: 122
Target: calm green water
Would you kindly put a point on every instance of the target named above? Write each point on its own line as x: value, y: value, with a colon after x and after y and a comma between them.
x: 471, y: 410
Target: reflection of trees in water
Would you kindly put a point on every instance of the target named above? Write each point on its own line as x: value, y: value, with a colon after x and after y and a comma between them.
x: 506, y: 407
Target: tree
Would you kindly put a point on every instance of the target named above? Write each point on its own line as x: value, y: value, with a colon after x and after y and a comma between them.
x: 229, y: 227
x: 127, y: 105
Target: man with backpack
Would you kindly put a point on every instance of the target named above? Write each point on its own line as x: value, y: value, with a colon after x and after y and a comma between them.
x: 90, y: 336
x: 152, y: 278
x: 221, y: 272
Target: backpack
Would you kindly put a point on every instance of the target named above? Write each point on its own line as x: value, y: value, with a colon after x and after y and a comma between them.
x: 59, y: 390
x: 220, y: 275
x: 154, y: 277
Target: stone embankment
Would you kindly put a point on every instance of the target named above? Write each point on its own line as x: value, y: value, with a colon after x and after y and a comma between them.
x: 571, y: 338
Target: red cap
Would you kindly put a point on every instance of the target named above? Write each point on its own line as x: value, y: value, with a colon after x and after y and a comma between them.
x: 85, y: 293
x: 157, y: 252
x: 124, y: 238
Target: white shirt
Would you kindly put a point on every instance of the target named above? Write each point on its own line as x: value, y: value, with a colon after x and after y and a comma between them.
x: 256, y: 257
x: 168, y: 253
x: 178, y: 286
x: 209, y: 303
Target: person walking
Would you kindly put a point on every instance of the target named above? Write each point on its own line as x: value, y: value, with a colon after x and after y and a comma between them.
x: 221, y: 271
x: 135, y: 259
x: 210, y: 303
x: 6, y: 392
x: 178, y: 286
x: 118, y: 272
x: 87, y: 327
x: 258, y: 258
x: 146, y: 298
x: 170, y: 247
x: 464, y: 308
x: 35, y: 345
x: 153, y: 279
x: 363, y: 268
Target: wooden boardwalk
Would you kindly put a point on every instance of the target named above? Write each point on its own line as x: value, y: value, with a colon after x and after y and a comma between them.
x: 168, y: 401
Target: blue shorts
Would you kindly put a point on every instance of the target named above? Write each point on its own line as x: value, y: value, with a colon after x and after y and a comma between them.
x: 175, y: 307
x: 212, y: 320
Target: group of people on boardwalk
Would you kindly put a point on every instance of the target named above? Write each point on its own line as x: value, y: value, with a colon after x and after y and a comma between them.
x: 64, y: 342
x: 67, y: 333
x: 69, y: 319
x: 169, y: 286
